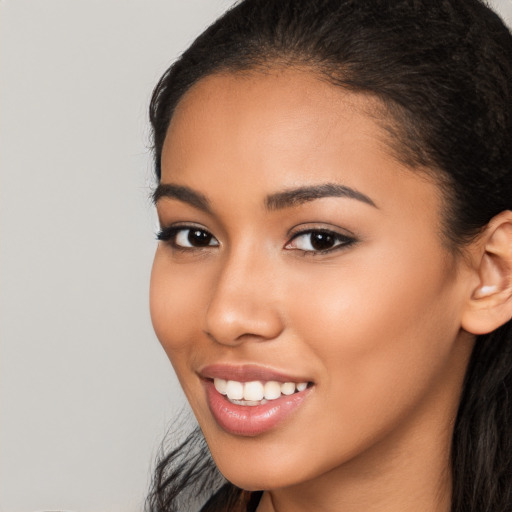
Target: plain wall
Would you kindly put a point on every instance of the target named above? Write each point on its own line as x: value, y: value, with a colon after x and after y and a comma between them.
x: 86, y: 392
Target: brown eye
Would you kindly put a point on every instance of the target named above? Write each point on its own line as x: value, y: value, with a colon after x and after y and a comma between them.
x: 199, y: 238
x: 322, y: 241
x: 188, y: 237
x: 319, y: 241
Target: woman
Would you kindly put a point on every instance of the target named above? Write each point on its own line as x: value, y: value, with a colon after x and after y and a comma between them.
x: 333, y: 284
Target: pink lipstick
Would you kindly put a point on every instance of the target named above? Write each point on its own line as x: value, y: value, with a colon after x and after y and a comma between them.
x: 249, y: 400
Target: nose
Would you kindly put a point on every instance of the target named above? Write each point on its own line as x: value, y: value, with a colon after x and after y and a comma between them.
x: 244, y: 303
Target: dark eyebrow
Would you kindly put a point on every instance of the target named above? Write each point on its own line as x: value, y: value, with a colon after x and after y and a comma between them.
x: 297, y: 196
x: 185, y: 194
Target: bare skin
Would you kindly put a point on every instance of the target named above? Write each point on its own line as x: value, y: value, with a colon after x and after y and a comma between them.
x: 374, y: 320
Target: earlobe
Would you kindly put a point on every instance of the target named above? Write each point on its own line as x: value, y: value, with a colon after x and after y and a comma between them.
x: 490, y: 302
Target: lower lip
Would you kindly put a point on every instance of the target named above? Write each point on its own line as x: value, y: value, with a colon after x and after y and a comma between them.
x: 251, y: 420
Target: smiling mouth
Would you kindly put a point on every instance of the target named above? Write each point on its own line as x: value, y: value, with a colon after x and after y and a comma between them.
x: 257, y: 392
x: 250, y: 400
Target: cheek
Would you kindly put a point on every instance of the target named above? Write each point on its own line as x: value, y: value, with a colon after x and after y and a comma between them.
x: 176, y: 298
x: 380, y: 325
x: 176, y: 303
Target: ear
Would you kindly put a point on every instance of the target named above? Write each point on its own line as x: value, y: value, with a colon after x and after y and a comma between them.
x: 489, y: 303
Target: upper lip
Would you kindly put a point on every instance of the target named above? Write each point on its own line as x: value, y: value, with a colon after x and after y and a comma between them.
x: 247, y: 373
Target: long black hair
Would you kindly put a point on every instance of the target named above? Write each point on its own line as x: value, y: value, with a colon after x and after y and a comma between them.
x: 442, y: 72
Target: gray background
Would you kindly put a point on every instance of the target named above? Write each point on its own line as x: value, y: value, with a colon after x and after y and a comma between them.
x: 86, y: 392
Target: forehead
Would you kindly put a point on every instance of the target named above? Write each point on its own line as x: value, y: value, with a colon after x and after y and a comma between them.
x: 238, y: 139
x: 288, y: 89
x: 270, y: 119
x: 273, y: 99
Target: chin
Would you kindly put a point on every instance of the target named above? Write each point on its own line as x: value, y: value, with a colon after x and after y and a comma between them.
x: 263, y: 472
x: 256, y: 481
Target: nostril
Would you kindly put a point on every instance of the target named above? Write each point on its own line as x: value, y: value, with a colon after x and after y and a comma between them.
x: 237, y: 329
x: 240, y: 308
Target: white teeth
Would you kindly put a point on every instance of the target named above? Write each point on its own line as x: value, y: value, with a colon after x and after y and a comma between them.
x: 220, y: 385
x: 248, y: 402
x: 253, y: 391
x: 301, y: 386
x: 288, y: 388
x: 256, y: 392
x: 272, y: 390
x: 234, y: 390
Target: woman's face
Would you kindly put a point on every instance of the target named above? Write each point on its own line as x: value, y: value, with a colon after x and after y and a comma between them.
x: 296, y: 249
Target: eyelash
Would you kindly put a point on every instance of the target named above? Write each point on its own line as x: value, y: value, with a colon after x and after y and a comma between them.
x: 169, y: 234
x: 341, y: 241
